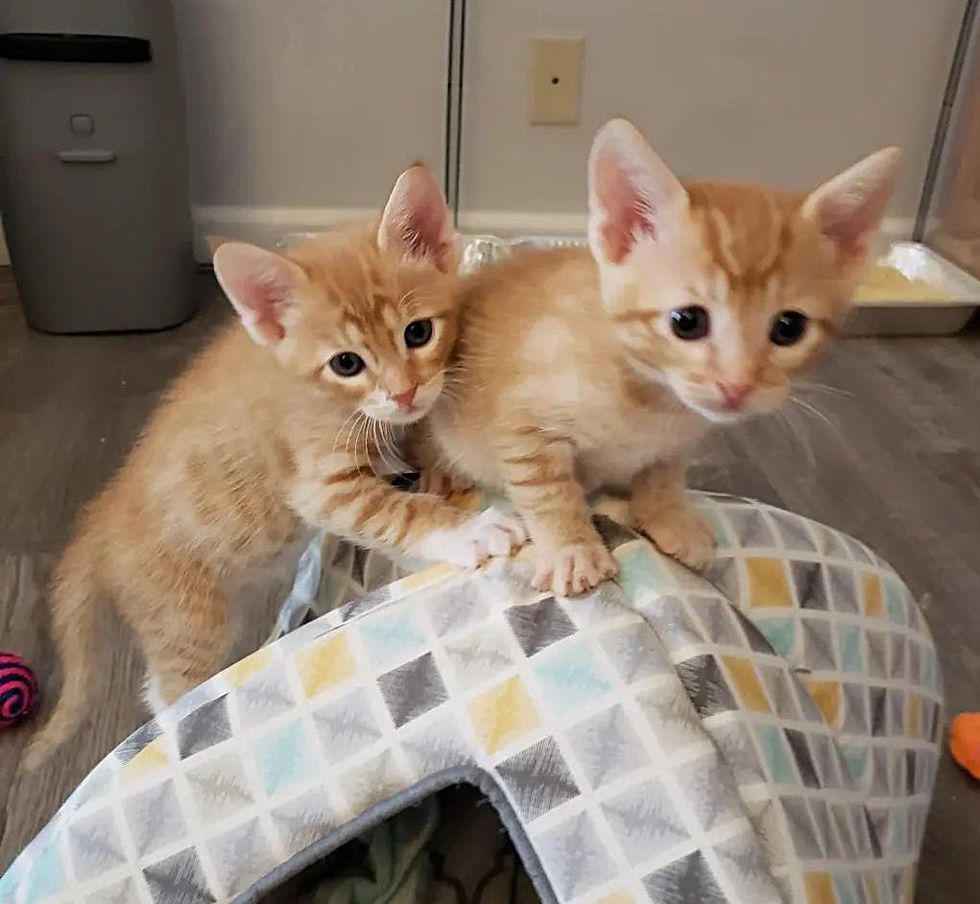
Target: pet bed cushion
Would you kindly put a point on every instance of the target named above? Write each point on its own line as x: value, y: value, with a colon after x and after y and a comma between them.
x: 764, y: 731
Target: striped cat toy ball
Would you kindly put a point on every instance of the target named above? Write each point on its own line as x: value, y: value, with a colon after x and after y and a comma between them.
x: 18, y: 689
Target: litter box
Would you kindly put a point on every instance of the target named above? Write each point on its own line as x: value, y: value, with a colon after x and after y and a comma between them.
x: 913, y: 316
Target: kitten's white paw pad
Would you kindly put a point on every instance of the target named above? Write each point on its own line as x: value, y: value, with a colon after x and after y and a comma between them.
x: 682, y: 534
x: 573, y: 569
x: 491, y: 533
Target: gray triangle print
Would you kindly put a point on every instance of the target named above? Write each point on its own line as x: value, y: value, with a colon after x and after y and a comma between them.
x: 95, y: 845
x: 685, y: 881
x: 178, y: 880
x: 644, y: 819
x: 412, y: 689
x: 538, y: 778
x: 810, y: 583
x: 203, y: 728
x: 539, y: 625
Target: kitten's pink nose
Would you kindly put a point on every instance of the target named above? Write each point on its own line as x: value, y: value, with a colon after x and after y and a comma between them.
x: 734, y: 394
x: 404, y: 399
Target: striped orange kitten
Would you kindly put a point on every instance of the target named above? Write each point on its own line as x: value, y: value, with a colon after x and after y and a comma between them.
x: 284, y: 423
x: 585, y: 368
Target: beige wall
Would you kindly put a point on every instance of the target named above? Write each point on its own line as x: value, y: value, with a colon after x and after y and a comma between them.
x: 781, y: 90
x: 303, y: 111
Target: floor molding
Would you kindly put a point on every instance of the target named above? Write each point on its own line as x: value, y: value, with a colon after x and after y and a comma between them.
x: 268, y: 226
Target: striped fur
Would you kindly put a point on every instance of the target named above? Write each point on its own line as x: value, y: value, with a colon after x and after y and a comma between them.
x: 569, y: 376
x: 258, y: 439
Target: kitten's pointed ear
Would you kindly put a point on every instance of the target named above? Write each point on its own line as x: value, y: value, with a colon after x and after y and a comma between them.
x: 261, y: 285
x: 848, y: 209
x: 632, y: 193
x: 416, y: 221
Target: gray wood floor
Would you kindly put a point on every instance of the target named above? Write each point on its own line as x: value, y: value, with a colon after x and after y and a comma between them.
x: 896, y: 462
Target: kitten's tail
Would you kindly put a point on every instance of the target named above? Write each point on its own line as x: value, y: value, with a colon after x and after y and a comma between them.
x: 75, y: 620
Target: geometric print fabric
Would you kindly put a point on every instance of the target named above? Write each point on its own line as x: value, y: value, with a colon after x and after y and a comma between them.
x: 774, y: 738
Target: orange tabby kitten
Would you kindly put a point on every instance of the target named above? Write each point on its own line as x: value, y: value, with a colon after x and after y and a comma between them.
x: 284, y: 423
x: 696, y: 305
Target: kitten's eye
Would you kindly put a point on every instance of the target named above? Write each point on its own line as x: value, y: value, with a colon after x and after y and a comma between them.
x: 418, y: 333
x: 346, y: 364
x: 690, y: 323
x: 788, y: 328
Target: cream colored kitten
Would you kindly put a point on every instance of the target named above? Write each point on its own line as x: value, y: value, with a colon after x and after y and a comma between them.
x: 585, y: 368
x: 284, y: 423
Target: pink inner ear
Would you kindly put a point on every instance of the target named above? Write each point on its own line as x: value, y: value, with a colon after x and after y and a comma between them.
x: 416, y: 222
x: 850, y: 229
x: 263, y: 295
x: 422, y: 231
x: 626, y: 213
x: 268, y: 299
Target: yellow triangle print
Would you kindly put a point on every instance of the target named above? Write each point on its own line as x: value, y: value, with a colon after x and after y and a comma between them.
x: 874, y: 606
x: 244, y: 669
x: 503, y: 714
x: 617, y: 897
x: 826, y: 694
x: 326, y: 664
x: 747, y: 682
x: 150, y: 759
x: 422, y: 579
x: 767, y: 582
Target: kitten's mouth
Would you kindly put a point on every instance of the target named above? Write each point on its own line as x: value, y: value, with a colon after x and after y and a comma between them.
x: 720, y: 411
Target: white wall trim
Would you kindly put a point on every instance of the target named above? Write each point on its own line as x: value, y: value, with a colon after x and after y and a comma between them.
x: 268, y: 225
x: 514, y: 222
x: 521, y: 222
x: 4, y: 253
x: 264, y: 225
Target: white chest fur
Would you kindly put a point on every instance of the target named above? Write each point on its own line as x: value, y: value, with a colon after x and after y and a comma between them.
x: 640, y: 438
x: 613, y: 440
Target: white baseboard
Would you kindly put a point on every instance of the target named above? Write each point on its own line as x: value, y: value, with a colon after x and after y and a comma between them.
x: 513, y: 222
x: 897, y: 229
x: 508, y: 223
x: 268, y: 225
x: 264, y: 225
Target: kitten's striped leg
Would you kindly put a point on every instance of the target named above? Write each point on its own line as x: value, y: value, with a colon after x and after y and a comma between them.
x: 661, y: 510
x: 540, y: 475
x: 348, y: 499
x: 435, y: 476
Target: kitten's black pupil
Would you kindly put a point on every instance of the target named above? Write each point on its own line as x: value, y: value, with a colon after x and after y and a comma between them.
x: 347, y: 364
x: 690, y: 323
x: 418, y: 332
x: 788, y: 328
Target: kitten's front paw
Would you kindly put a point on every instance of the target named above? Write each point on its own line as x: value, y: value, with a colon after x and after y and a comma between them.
x: 491, y: 533
x: 681, y: 533
x: 438, y: 482
x: 573, y: 569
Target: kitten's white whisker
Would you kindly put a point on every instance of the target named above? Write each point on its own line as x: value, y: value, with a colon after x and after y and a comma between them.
x: 373, y: 440
x: 388, y: 436
x: 800, y: 438
x: 354, y: 424
x: 823, y: 387
x: 816, y: 412
x: 360, y: 427
x: 346, y: 423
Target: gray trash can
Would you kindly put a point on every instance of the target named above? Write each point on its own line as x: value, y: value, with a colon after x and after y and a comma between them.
x: 93, y: 164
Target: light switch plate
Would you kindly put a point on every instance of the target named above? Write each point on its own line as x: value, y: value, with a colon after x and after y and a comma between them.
x: 556, y: 80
